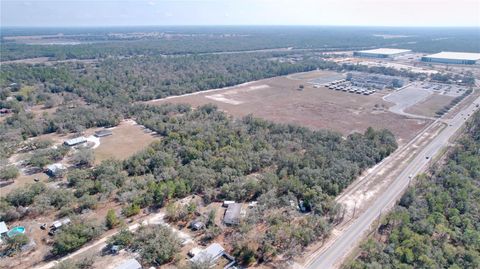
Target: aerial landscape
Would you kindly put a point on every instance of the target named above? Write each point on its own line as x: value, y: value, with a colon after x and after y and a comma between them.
x: 187, y: 134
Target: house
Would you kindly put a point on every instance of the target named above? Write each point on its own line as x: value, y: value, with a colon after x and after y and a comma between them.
x: 209, y: 254
x: 59, y: 223
x: 232, y: 214
x: 75, y: 141
x: 55, y: 170
x: 3, y: 228
x: 103, y: 133
x: 129, y: 264
x: 197, y: 225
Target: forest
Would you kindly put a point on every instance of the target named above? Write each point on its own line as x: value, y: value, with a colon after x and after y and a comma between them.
x: 436, y: 224
x: 207, y: 153
x: 200, y: 152
x: 107, y: 88
x: 117, y: 41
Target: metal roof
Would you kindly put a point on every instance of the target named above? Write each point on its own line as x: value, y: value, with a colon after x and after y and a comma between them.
x: 232, y: 214
x: 56, y: 166
x: 385, y: 51
x: 455, y: 55
x: 3, y: 227
x: 129, y: 264
x: 104, y: 132
x: 76, y: 140
x: 211, y: 253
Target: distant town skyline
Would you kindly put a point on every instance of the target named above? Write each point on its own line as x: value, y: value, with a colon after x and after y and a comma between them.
x: 61, y: 13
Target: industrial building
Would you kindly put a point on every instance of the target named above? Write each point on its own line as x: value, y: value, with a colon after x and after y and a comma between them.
x: 380, y: 53
x: 447, y: 57
x: 376, y: 81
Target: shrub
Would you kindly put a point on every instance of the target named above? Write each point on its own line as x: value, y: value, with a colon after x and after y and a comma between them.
x: 8, y: 172
x: 72, y: 236
x: 131, y: 210
x: 111, y: 220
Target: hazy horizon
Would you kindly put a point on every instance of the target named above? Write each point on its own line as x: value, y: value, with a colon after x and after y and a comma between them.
x: 367, y: 13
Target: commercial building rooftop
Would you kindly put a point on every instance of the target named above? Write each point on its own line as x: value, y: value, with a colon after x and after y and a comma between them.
x: 385, y: 51
x: 455, y: 55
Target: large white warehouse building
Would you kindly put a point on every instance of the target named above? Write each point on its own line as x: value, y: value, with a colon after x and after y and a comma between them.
x: 447, y: 57
x: 380, y: 53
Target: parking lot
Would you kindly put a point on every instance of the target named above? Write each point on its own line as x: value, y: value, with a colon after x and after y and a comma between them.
x: 346, y: 86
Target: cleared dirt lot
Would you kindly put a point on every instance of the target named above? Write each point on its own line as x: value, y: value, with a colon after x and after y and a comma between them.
x: 127, y: 139
x: 431, y: 105
x: 278, y: 99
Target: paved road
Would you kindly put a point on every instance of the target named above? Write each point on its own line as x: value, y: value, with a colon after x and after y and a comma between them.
x: 351, y: 237
x: 406, y: 97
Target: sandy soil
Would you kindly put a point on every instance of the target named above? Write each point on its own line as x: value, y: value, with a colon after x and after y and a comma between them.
x: 127, y: 139
x: 431, y: 105
x: 278, y: 99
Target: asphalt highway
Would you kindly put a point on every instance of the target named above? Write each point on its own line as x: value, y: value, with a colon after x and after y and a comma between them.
x: 333, y: 256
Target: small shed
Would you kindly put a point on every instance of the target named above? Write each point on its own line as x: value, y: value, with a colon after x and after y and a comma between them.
x: 129, y: 264
x: 211, y: 253
x: 197, y: 225
x: 103, y: 133
x: 75, y: 141
x: 3, y: 228
x: 232, y: 214
x: 55, y: 169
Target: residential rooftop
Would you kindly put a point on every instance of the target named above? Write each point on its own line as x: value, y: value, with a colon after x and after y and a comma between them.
x: 232, y: 214
x: 75, y: 141
x: 211, y: 253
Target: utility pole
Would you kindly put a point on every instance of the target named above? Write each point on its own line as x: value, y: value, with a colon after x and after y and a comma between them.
x: 354, y: 209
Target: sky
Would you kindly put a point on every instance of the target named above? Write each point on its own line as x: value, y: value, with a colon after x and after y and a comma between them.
x: 64, y: 13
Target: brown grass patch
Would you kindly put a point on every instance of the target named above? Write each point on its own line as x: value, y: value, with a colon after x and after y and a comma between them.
x: 317, y: 108
x: 128, y: 138
x: 431, y: 105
